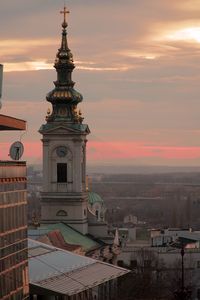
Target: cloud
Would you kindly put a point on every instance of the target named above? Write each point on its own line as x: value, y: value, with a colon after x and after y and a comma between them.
x: 130, y: 150
x: 136, y: 68
x: 109, y: 152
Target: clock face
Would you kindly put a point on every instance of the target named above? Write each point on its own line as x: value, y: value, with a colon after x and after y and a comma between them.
x: 61, y: 151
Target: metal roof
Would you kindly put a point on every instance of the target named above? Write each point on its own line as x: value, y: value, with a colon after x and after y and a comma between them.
x: 65, y: 273
x: 190, y: 236
x: 46, y: 261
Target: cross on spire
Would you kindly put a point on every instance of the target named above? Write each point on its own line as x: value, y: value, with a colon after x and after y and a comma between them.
x: 65, y: 12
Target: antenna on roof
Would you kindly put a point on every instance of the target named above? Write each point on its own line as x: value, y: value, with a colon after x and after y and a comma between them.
x: 1, y: 80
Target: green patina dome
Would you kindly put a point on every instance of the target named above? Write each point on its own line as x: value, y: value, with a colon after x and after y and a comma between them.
x: 94, y: 198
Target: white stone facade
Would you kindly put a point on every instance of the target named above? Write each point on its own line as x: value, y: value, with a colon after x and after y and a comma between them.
x: 64, y: 201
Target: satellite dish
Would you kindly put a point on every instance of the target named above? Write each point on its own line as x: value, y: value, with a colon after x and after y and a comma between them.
x: 16, y: 150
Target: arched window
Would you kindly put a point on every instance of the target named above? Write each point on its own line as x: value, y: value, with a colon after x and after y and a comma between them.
x: 61, y: 213
x: 61, y: 172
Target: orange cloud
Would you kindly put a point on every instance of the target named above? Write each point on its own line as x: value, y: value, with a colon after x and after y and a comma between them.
x: 21, y: 46
x: 130, y: 150
x: 186, y: 34
x: 27, y: 66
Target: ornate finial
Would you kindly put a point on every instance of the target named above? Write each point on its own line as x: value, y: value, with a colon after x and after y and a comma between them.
x: 48, y: 114
x: 80, y: 116
x: 48, y: 111
x: 64, y: 12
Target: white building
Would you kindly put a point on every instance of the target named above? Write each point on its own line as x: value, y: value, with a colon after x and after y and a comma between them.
x: 130, y: 219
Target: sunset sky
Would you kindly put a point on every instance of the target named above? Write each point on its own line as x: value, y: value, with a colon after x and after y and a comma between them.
x: 137, y: 66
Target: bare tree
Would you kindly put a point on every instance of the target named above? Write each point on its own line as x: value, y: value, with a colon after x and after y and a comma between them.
x: 146, y: 280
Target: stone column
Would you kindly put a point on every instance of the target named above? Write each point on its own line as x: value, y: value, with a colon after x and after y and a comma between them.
x: 46, y: 160
x: 77, y: 165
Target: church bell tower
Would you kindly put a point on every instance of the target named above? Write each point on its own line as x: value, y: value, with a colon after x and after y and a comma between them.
x: 64, y: 196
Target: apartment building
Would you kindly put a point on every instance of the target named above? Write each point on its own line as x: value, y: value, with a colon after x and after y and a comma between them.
x: 13, y: 222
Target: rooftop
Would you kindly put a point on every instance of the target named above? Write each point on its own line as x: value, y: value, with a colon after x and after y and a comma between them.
x: 70, y: 235
x: 56, y: 239
x: 10, y: 123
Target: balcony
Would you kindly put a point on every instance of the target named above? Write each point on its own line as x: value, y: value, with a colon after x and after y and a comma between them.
x: 62, y: 187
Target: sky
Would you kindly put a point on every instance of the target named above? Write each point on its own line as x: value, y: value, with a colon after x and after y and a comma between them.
x: 137, y: 66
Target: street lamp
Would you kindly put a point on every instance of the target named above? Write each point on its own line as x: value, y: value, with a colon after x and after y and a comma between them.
x: 183, y: 293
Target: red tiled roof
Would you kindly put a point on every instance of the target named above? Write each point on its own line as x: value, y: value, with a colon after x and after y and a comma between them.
x: 58, y: 241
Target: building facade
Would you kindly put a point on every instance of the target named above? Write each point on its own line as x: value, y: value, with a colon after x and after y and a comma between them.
x: 13, y: 224
x: 13, y: 231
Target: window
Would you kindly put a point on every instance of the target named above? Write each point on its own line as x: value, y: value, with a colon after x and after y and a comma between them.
x: 61, y: 172
x: 120, y: 263
x: 133, y: 263
x: 198, y: 264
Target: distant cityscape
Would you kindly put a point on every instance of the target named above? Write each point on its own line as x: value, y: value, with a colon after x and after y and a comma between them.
x: 77, y: 230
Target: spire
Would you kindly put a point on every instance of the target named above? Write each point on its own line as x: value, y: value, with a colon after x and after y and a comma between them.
x: 64, y: 59
x: 64, y: 96
x: 116, y: 238
x: 64, y: 51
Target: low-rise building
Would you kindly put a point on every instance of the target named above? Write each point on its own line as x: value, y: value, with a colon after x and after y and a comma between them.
x: 160, y: 257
